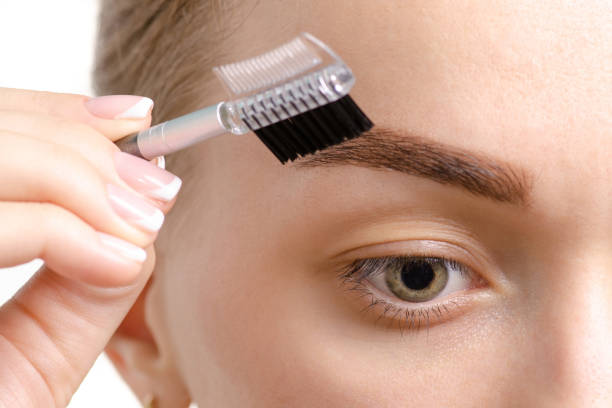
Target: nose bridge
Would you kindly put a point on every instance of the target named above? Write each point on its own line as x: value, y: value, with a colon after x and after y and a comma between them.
x: 575, y: 329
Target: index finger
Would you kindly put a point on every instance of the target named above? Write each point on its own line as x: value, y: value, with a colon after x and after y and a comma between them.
x: 114, y: 116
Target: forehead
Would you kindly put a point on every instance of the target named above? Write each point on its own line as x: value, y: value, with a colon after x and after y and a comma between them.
x: 526, y: 82
x: 479, y: 67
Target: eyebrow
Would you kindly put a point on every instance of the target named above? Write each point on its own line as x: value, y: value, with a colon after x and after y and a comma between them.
x: 401, y: 151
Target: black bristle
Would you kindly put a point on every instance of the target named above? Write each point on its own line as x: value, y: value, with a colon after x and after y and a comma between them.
x: 286, y: 144
x: 302, y: 144
x: 266, y: 135
x: 315, y: 129
x: 269, y: 142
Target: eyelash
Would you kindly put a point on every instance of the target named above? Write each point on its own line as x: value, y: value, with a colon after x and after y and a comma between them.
x: 407, y: 318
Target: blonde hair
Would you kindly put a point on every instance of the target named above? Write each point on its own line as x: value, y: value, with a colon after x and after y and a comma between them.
x: 163, y: 49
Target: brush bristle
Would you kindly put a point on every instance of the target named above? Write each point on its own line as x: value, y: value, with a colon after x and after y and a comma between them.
x: 315, y: 129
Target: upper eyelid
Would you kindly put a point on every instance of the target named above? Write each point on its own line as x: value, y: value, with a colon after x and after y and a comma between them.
x: 419, y: 225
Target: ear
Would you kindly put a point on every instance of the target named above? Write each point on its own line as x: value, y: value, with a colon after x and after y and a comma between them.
x: 140, y: 355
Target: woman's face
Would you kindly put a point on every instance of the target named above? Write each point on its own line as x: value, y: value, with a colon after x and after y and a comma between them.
x: 491, y: 150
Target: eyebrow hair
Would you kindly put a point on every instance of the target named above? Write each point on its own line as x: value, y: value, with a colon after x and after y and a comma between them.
x: 401, y: 151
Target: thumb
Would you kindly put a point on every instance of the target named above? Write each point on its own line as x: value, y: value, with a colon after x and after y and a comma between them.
x: 52, y: 331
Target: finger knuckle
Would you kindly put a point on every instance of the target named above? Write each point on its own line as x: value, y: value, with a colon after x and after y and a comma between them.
x: 51, y: 217
x: 56, y: 224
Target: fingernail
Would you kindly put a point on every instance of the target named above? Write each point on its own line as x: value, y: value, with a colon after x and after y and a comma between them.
x: 119, y: 106
x: 122, y: 247
x: 135, y: 209
x: 147, y: 178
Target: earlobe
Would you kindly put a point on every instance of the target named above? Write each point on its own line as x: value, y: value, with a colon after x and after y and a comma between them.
x: 146, y: 371
x: 135, y: 360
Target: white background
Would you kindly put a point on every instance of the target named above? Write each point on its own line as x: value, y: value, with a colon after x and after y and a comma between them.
x: 48, y: 45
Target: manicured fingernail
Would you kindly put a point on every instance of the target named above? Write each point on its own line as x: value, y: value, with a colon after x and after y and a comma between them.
x: 123, y: 248
x: 147, y: 178
x: 120, y: 106
x: 135, y: 209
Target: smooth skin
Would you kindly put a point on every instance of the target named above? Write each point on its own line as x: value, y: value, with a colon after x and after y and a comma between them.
x: 55, y: 162
x: 246, y: 309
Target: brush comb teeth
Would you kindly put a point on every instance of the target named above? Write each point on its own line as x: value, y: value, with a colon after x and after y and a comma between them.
x: 268, y: 69
x: 295, y: 98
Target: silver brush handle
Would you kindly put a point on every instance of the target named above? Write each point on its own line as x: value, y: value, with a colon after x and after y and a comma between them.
x: 184, y: 131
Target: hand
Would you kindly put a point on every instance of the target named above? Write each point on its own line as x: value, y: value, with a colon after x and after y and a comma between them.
x: 71, y: 198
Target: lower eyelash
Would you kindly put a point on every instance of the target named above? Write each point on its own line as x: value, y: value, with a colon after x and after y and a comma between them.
x: 416, y: 319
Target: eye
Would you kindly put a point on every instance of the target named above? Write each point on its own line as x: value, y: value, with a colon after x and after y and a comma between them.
x: 416, y: 279
x: 417, y: 289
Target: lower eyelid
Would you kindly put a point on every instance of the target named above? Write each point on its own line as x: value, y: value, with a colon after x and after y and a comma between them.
x: 405, y: 316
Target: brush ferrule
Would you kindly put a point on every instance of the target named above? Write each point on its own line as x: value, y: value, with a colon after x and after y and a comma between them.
x: 184, y: 131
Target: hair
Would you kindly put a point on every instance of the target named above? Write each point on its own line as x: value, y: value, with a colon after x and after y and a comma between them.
x: 162, y: 49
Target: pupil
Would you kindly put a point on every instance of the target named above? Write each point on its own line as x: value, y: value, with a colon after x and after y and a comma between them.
x: 417, y: 275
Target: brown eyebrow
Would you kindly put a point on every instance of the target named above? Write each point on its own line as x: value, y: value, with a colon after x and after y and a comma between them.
x: 400, y: 151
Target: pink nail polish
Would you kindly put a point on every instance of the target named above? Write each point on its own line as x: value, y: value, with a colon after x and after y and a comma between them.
x: 135, y: 209
x: 123, y: 248
x: 146, y: 177
x: 119, y: 106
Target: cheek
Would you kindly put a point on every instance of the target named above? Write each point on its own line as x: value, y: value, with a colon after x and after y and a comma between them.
x: 268, y: 337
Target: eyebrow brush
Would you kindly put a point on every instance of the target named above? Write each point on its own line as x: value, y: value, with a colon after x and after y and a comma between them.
x: 294, y: 98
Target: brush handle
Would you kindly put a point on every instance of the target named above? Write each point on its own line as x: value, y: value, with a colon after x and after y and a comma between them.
x: 176, y: 134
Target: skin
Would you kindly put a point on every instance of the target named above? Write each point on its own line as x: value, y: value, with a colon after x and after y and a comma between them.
x: 246, y: 307
x: 55, y: 163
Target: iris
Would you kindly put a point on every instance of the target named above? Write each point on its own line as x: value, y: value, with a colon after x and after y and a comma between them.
x: 416, y: 279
